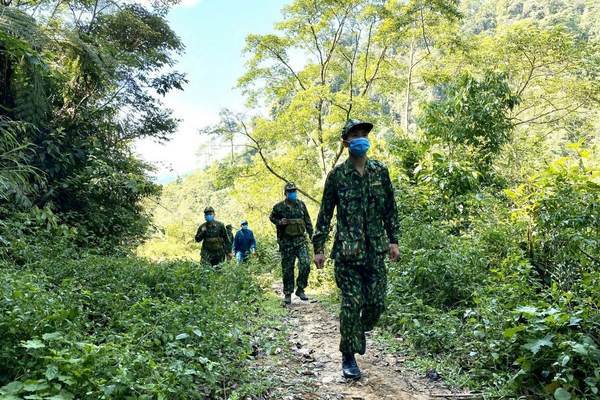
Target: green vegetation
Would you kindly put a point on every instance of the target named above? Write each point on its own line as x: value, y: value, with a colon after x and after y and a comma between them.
x: 99, y: 327
x: 486, y: 112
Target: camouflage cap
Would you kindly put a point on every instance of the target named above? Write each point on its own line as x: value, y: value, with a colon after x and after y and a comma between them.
x: 209, y: 210
x: 353, y: 124
x: 289, y: 187
x: 244, y: 222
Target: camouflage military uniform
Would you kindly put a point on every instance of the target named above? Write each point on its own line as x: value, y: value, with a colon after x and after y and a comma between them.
x: 215, y: 242
x: 366, y: 225
x: 292, y: 248
x: 229, y: 229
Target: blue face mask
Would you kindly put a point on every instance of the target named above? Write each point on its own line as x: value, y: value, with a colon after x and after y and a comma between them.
x: 209, y: 217
x: 292, y: 196
x: 359, y: 146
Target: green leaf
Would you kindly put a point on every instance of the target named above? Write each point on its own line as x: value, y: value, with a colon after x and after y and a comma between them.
x: 51, y: 336
x: 51, y: 372
x: 527, y: 310
x: 182, y: 336
x: 33, y: 344
x: 35, y: 386
x: 63, y: 395
x: 14, y: 387
x: 66, y: 379
x: 511, y: 332
x: 562, y: 394
x: 535, y: 345
x: 580, y: 348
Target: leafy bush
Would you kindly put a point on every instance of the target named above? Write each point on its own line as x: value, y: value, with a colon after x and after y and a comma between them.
x: 510, y: 298
x: 101, y: 327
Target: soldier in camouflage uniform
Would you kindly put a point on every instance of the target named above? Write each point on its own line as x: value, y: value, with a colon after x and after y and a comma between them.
x: 229, y: 229
x: 366, y: 230
x: 291, y: 218
x: 215, y: 241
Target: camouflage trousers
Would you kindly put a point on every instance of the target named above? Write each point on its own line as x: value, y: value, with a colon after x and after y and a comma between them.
x: 289, y: 254
x: 363, y: 288
x: 211, y: 258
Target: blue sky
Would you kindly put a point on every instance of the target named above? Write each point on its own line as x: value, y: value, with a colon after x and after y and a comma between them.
x: 214, y: 33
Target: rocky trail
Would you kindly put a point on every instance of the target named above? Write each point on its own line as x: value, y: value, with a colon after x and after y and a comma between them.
x: 310, y: 370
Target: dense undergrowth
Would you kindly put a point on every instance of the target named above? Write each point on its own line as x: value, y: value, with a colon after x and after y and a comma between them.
x: 504, y: 296
x: 89, y: 327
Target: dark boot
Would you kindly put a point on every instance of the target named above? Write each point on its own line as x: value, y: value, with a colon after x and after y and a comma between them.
x: 349, y: 367
x: 300, y: 293
x: 287, y: 299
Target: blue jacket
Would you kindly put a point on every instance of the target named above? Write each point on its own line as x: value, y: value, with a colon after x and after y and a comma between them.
x: 244, y: 241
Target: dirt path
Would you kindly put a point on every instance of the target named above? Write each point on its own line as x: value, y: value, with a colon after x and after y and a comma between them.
x: 314, y: 368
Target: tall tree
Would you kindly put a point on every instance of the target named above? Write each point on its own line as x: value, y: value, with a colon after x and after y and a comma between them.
x: 85, y: 79
x: 329, y: 61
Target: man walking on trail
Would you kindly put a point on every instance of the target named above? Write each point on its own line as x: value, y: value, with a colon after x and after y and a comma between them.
x: 244, y: 243
x: 291, y: 218
x: 215, y: 241
x: 366, y: 229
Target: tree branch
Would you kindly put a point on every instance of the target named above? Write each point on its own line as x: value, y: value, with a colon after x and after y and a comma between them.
x: 337, y: 156
x: 367, y: 52
x: 370, y: 81
x: 266, y: 163
x: 282, y: 60
x: 423, y: 31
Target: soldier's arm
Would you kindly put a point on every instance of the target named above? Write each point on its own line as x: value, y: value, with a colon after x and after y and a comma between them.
x: 328, y: 203
x: 390, y: 211
x: 307, y: 221
x: 199, y: 234
x: 275, y: 217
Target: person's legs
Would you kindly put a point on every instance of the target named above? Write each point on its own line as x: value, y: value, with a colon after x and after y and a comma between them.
x: 349, y: 280
x: 303, y: 267
x: 374, y: 291
x: 288, y: 258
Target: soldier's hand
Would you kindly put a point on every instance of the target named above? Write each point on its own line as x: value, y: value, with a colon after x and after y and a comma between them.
x: 394, y: 252
x: 229, y: 256
x: 283, y: 221
x: 320, y: 260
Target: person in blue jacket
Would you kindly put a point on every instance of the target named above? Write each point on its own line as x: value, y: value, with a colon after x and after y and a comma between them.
x: 244, y: 243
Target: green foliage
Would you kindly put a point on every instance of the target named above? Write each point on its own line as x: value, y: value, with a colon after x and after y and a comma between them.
x: 509, y: 298
x: 80, y: 91
x: 15, y: 173
x: 473, y: 114
x: 560, y: 207
x: 98, y: 327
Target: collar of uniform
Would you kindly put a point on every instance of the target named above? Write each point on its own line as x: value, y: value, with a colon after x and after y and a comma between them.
x: 349, y: 167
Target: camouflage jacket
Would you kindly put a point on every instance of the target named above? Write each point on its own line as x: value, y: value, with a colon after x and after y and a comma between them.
x: 211, y: 231
x: 290, y: 210
x: 367, y: 218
